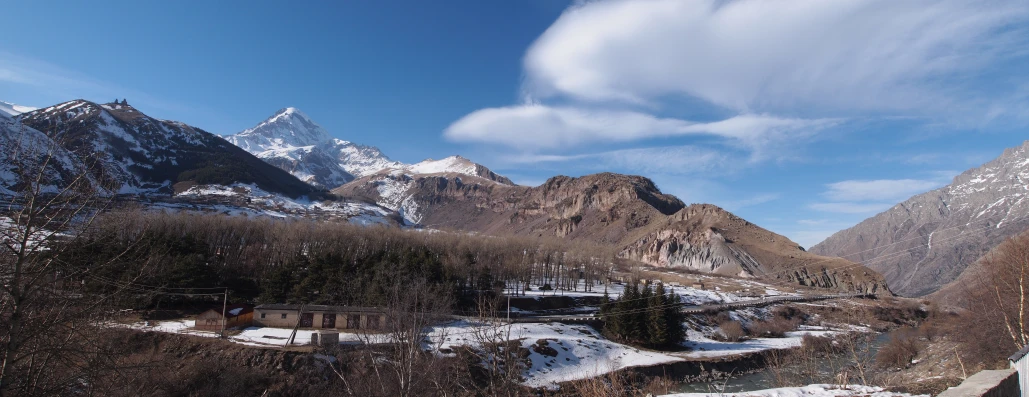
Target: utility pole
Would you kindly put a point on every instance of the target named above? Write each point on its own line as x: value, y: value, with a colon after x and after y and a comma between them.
x: 225, y: 304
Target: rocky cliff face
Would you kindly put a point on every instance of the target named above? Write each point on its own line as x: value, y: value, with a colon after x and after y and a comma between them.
x: 706, y: 238
x: 626, y: 212
x: 928, y: 240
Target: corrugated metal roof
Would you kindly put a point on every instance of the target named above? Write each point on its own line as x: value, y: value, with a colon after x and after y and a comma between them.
x: 1018, y: 355
x: 318, y: 308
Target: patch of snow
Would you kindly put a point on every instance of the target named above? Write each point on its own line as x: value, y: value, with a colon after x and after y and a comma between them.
x: 14, y: 110
x: 704, y: 347
x: 817, y: 390
x: 581, y: 352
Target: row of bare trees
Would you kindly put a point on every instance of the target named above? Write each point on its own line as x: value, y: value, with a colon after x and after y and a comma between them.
x: 331, y: 263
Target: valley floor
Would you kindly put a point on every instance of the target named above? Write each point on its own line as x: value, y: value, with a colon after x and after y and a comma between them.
x: 818, y: 390
x: 558, y: 352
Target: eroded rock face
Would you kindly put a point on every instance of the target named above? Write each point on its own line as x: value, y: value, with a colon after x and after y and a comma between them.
x: 706, y: 238
x: 627, y: 213
x: 930, y: 239
x: 704, y: 250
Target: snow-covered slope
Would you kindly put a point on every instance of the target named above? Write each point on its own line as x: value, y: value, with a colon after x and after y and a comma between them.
x: 293, y: 142
x: 135, y: 153
x: 406, y: 188
x: 28, y: 153
x: 11, y: 109
x: 929, y: 239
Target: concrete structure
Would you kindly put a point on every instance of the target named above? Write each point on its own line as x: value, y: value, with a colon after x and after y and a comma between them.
x: 325, y: 338
x: 999, y: 383
x: 1020, y: 363
x: 318, y: 316
x: 240, y: 315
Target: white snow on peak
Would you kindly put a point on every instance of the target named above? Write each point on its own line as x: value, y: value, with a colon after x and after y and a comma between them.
x: 14, y: 110
x: 286, y: 129
x: 455, y: 164
x: 290, y: 136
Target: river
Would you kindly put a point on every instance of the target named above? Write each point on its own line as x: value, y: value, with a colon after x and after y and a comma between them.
x: 763, y: 379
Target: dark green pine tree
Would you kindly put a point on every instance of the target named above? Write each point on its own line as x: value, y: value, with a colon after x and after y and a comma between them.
x: 675, y: 319
x: 640, y: 315
x: 623, y: 327
x: 657, y: 316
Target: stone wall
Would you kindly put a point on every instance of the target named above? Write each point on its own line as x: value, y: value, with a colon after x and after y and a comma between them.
x: 999, y: 383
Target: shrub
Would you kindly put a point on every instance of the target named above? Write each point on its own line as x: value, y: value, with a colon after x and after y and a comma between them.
x: 732, y: 331
x: 777, y: 327
x: 900, y: 350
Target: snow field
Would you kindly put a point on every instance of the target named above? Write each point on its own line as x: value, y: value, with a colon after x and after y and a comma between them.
x: 817, y: 390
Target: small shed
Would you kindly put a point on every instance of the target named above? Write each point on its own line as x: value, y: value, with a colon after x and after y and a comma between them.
x: 1020, y: 363
x: 239, y: 315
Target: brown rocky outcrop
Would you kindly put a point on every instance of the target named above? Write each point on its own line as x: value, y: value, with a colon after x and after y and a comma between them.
x: 627, y: 212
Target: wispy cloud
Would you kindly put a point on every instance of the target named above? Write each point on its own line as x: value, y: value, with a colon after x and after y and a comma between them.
x: 673, y: 160
x: 878, y: 190
x: 851, y: 208
x: 62, y: 84
x: 873, y: 196
x: 842, y: 57
x: 537, y: 126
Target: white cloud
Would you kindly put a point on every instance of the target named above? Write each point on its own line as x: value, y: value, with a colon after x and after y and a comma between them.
x: 756, y: 199
x: 672, y: 160
x: 539, y: 126
x: 851, y: 208
x: 879, y: 190
x: 912, y: 56
x: 874, y: 196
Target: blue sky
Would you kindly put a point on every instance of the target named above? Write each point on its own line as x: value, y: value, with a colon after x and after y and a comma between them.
x: 802, y: 116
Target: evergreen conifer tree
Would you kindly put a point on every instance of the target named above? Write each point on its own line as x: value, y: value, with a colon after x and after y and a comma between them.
x: 674, y: 318
x: 657, y: 316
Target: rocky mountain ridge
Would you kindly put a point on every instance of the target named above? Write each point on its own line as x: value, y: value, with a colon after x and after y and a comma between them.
x: 134, y: 153
x: 928, y: 240
x: 626, y: 212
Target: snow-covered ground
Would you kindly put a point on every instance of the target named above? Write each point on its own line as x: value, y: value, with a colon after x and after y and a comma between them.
x: 703, y: 347
x: 263, y: 203
x: 580, y: 350
x: 819, y: 390
x: 689, y: 295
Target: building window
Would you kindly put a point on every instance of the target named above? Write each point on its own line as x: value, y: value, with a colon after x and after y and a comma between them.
x: 283, y: 315
x: 262, y: 315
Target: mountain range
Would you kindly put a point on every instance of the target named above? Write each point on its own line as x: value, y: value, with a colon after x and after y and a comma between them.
x: 290, y: 140
x: 128, y: 152
x: 930, y: 239
x: 289, y: 155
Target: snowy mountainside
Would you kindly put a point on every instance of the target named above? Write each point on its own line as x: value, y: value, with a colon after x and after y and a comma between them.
x: 293, y: 142
x: 288, y: 128
x: 410, y: 189
x: 10, y: 109
x: 930, y: 239
x: 251, y: 200
x: 25, y: 150
x: 139, y: 154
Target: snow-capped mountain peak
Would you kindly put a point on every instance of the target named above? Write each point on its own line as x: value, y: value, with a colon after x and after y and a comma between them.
x: 455, y: 164
x: 288, y: 128
x: 11, y: 109
x: 290, y: 140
